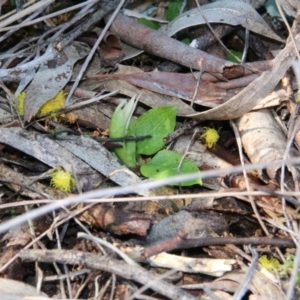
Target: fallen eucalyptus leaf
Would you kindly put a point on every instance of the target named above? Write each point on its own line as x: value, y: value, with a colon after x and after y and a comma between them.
x: 250, y: 96
x: 146, y: 97
x: 172, y: 84
x: 51, y: 78
x: 51, y: 153
x: 232, y: 12
x: 99, y: 158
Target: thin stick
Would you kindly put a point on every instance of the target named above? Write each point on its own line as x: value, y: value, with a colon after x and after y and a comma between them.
x: 92, y: 52
x: 134, y: 188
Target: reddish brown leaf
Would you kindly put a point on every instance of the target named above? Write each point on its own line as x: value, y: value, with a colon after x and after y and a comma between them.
x: 172, y: 84
x: 116, y: 220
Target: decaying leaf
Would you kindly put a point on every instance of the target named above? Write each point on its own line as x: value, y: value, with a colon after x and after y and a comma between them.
x: 147, y: 97
x: 250, y: 96
x: 263, y: 140
x: 99, y: 158
x: 48, y: 151
x: 51, y: 78
x: 174, y: 84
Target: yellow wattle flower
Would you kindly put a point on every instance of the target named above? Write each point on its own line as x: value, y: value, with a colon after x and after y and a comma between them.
x: 62, y: 180
x: 211, y: 136
x: 271, y: 264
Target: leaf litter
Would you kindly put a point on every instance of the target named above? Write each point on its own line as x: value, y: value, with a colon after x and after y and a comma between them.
x: 222, y: 210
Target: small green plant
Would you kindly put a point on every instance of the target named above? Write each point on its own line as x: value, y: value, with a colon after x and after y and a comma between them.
x: 273, y: 265
x: 149, y: 23
x: 157, y: 122
x: 172, y: 12
x: 288, y: 265
x: 167, y: 163
x: 232, y: 55
x: 173, y: 9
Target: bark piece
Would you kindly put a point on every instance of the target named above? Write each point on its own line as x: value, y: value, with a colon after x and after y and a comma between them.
x: 263, y: 139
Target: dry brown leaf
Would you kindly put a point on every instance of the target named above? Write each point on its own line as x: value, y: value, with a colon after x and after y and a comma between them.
x: 116, y: 220
x: 250, y: 96
x: 262, y: 139
x: 146, y: 97
x: 51, y: 77
x: 173, y: 84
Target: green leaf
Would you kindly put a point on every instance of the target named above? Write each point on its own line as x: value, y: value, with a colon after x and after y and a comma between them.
x: 230, y: 56
x: 185, y: 39
x: 165, y: 164
x: 173, y: 9
x: 158, y: 122
x: 119, y: 126
x: 121, y: 117
x: 149, y: 23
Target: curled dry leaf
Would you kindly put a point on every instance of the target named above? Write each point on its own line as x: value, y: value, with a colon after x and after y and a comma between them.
x: 232, y: 12
x: 262, y: 138
x: 250, y: 96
